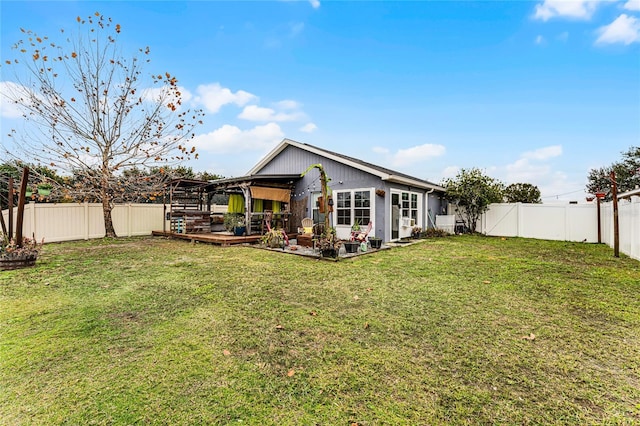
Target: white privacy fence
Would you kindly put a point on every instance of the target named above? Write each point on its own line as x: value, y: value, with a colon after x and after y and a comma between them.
x: 567, y: 222
x: 82, y: 221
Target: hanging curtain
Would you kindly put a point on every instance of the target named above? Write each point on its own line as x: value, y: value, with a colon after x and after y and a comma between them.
x: 236, y: 203
x: 258, y: 205
x: 275, y: 194
x: 277, y: 206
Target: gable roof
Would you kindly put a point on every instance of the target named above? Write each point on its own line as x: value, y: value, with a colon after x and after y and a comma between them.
x: 382, y: 172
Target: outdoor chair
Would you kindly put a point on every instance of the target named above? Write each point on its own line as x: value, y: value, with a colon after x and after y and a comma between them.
x: 307, y: 225
x: 361, y: 236
x: 266, y: 221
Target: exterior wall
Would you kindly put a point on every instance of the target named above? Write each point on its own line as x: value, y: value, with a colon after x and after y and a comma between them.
x: 293, y: 160
x: 436, y: 205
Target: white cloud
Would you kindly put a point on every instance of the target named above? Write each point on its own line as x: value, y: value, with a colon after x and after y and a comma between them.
x: 417, y: 154
x: 632, y: 5
x: 230, y: 138
x: 315, y: 3
x: 257, y: 113
x: 543, y: 153
x: 574, y: 9
x: 450, y: 172
x: 625, y: 29
x: 309, y: 128
x: 539, y: 40
x: 532, y: 167
x: 524, y: 171
x: 288, y: 104
x: 9, y: 109
x: 380, y: 150
x: 213, y: 97
x: 564, y: 36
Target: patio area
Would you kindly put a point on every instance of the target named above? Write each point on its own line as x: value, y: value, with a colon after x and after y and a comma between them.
x: 226, y: 239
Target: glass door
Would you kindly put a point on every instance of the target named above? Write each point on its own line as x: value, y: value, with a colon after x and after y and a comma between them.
x: 395, y: 216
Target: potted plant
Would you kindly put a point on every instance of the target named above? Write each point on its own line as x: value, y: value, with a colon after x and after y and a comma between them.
x: 329, y: 244
x: 273, y: 238
x: 351, y: 246
x: 44, y: 189
x: 13, y: 256
x: 235, y: 222
x: 415, y: 232
x: 376, y: 242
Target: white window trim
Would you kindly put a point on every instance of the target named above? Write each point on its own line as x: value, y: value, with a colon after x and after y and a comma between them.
x: 405, y: 231
x: 344, y: 231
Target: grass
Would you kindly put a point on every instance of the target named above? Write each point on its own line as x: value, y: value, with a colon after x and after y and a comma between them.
x: 151, y: 331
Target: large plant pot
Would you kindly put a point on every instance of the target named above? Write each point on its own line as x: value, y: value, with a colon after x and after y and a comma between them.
x: 351, y: 246
x: 239, y: 231
x: 376, y: 243
x: 18, y: 263
x: 333, y: 253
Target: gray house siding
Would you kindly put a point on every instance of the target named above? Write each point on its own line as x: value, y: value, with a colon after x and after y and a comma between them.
x: 294, y: 160
x: 350, y: 174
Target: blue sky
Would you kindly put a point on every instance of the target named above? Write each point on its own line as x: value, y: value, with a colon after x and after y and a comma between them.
x: 536, y: 92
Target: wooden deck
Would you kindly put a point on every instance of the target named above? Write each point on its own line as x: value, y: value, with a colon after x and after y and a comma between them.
x: 221, y: 238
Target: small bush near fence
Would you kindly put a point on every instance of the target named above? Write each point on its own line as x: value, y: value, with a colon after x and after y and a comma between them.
x: 434, y: 233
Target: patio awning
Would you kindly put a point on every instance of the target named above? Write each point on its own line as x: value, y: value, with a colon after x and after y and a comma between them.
x: 275, y: 194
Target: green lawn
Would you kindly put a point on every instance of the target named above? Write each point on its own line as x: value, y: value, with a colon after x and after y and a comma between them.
x: 152, y: 331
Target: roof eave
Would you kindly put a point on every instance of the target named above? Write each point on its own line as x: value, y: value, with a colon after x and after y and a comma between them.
x: 323, y: 153
x: 412, y: 182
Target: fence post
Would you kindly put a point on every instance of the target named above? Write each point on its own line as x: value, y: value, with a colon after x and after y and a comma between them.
x: 519, y: 220
x: 566, y: 221
x: 32, y: 217
x: 129, y: 220
x: 86, y: 220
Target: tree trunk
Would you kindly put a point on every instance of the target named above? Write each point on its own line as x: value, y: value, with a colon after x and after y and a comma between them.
x: 21, y: 201
x: 109, y: 231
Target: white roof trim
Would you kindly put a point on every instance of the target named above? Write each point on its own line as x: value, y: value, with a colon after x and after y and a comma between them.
x: 384, y: 176
x: 267, y: 158
x: 412, y: 182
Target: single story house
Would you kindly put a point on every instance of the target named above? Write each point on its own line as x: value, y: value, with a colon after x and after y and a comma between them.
x: 394, y: 202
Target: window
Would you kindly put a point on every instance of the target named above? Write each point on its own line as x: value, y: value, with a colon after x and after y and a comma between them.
x: 362, y: 207
x: 352, y: 206
x: 414, y: 207
x: 405, y: 204
x: 343, y: 208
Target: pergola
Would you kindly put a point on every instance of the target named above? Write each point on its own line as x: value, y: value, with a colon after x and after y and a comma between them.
x: 251, y: 196
x: 259, y: 194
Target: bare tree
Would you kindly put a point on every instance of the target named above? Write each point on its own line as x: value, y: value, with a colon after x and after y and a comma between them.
x: 96, y: 114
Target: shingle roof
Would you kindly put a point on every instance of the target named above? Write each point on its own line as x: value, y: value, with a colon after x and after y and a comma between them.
x: 383, y: 172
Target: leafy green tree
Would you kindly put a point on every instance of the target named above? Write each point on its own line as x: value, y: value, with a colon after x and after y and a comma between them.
x: 522, y: 193
x: 39, y: 177
x: 94, y: 113
x: 627, y: 174
x: 471, y: 192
